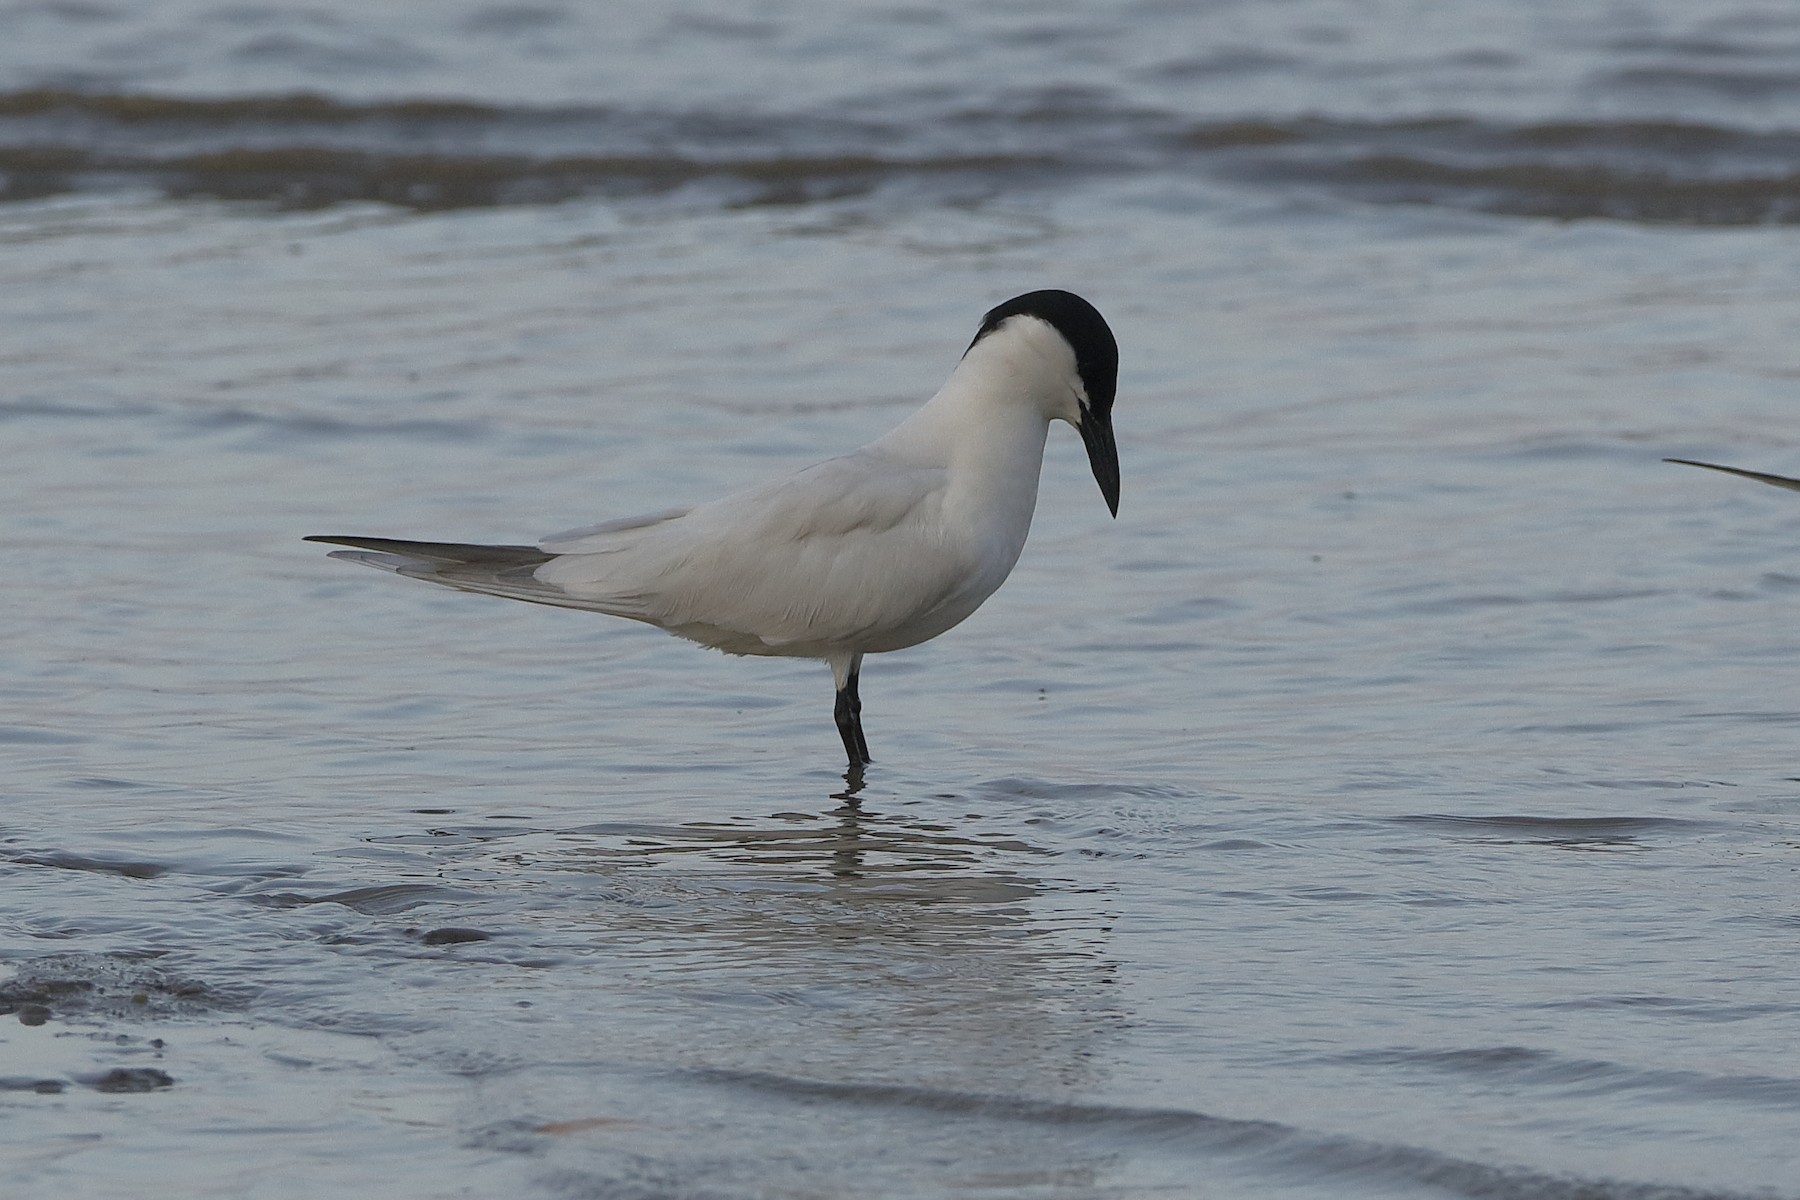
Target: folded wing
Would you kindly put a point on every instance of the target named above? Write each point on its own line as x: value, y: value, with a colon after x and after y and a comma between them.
x: 844, y: 553
x: 853, y: 552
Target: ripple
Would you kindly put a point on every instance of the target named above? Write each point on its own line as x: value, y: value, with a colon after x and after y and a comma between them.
x: 375, y: 900
x: 1582, y: 1076
x: 1563, y: 833
x: 1288, y: 1151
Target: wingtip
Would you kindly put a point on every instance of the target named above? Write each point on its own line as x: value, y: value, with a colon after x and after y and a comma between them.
x: 1780, y: 481
x: 371, y: 558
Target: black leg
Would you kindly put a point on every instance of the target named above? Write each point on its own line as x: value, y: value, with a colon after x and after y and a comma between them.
x: 849, y: 718
x: 862, y: 745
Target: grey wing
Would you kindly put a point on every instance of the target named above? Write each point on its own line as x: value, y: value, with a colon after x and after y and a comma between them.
x: 573, y: 540
x: 851, y: 545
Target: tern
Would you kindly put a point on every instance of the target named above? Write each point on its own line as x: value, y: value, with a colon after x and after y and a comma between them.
x: 877, y: 550
x: 1780, y: 481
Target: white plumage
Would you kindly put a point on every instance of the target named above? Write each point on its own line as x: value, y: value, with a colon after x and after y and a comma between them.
x: 880, y: 549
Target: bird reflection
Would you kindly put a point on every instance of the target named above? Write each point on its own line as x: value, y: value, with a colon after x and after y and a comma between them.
x: 846, y: 842
x: 847, y: 859
x: 858, y: 933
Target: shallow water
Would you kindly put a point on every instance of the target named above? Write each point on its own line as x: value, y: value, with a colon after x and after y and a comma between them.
x: 1396, y: 800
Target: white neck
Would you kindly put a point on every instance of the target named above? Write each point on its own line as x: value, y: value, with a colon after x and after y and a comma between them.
x: 996, y: 407
x: 988, y: 424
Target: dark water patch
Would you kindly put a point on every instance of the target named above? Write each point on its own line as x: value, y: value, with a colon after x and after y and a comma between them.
x: 1471, y: 602
x: 1565, y: 833
x: 108, y: 985
x: 122, y: 1080
x: 43, y: 1087
x: 19, y: 409
x: 1181, y: 612
x: 1708, y: 1011
x: 216, y: 852
x: 282, y: 428
x: 66, y: 861
x: 309, y: 177
x: 1753, y: 716
x: 1603, y: 595
x: 1278, y: 1151
x: 20, y: 735
x: 1599, y: 825
x: 451, y: 935
x: 1561, y: 448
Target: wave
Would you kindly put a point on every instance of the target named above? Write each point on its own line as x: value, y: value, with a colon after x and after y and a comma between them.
x: 1285, y: 1151
x: 308, y: 151
x: 1652, y: 172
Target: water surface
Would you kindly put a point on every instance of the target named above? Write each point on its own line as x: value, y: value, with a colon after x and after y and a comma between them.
x: 1396, y: 800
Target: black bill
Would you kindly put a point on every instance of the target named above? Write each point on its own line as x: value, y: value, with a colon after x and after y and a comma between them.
x: 1103, y: 456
